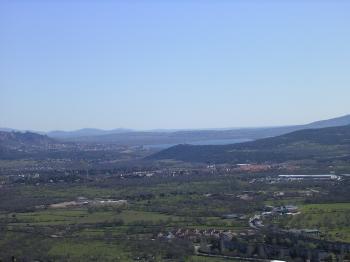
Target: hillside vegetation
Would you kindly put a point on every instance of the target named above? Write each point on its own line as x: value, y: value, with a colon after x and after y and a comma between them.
x: 316, y: 144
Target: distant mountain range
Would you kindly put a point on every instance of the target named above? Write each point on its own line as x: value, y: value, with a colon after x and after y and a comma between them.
x: 86, y: 132
x: 167, y: 138
x: 317, y: 144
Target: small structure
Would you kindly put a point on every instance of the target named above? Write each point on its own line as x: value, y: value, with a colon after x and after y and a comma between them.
x: 316, y: 177
x: 230, y: 216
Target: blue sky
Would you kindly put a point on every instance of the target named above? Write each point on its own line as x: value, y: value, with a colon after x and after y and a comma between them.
x: 172, y: 64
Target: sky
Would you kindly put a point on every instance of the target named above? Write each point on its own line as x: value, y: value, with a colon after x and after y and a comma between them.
x: 172, y: 64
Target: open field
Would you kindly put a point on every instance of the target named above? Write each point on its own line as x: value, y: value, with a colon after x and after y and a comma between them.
x: 155, y: 207
x: 83, y: 216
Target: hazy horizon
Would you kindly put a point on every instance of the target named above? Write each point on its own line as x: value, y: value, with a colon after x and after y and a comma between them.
x: 166, y: 129
x: 67, y: 65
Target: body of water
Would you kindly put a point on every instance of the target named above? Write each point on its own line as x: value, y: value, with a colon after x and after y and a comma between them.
x: 203, y: 142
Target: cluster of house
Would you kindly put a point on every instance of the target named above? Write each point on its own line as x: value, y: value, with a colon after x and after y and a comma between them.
x: 197, y: 235
x: 244, y: 245
x: 256, y: 222
x: 253, y: 167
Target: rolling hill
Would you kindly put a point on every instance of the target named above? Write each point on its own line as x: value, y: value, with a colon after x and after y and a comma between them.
x: 321, y: 143
x: 16, y: 145
x: 24, y: 140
